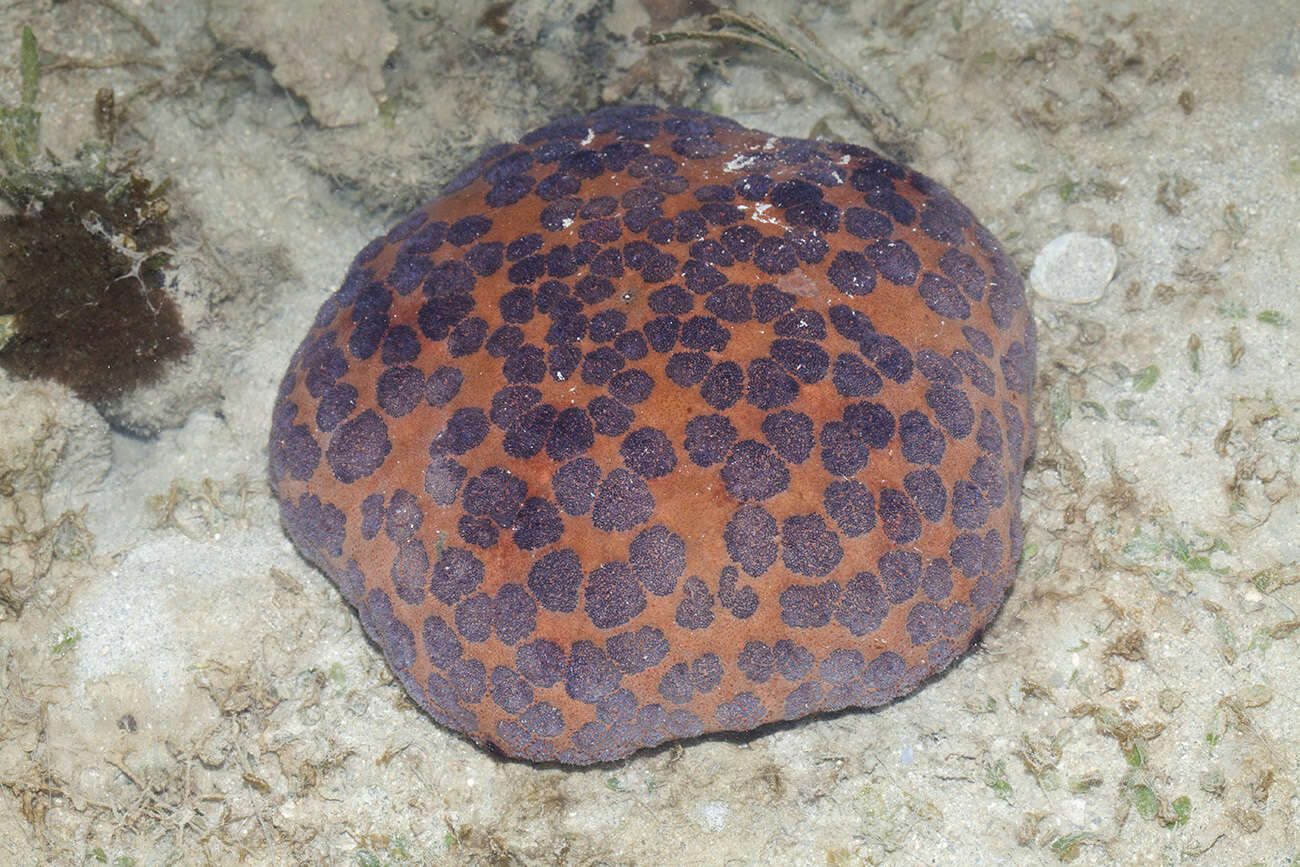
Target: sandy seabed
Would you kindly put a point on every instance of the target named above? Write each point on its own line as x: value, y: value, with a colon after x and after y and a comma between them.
x: 178, y: 686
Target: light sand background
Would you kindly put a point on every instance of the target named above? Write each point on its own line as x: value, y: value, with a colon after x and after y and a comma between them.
x: 178, y: 686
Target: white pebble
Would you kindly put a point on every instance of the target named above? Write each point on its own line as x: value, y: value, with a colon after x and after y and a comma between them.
x: 1074, y: 267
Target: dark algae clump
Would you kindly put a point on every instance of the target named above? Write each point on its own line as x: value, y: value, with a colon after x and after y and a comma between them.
x: 87, y: 310
x: 81, y: 265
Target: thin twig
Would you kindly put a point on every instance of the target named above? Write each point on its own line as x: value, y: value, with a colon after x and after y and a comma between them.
x: 749, y: 30
x: 64, y: 61
x: 134, y: 21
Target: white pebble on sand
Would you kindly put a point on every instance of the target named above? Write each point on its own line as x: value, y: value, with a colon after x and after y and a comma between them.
x: 1074, y: 267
